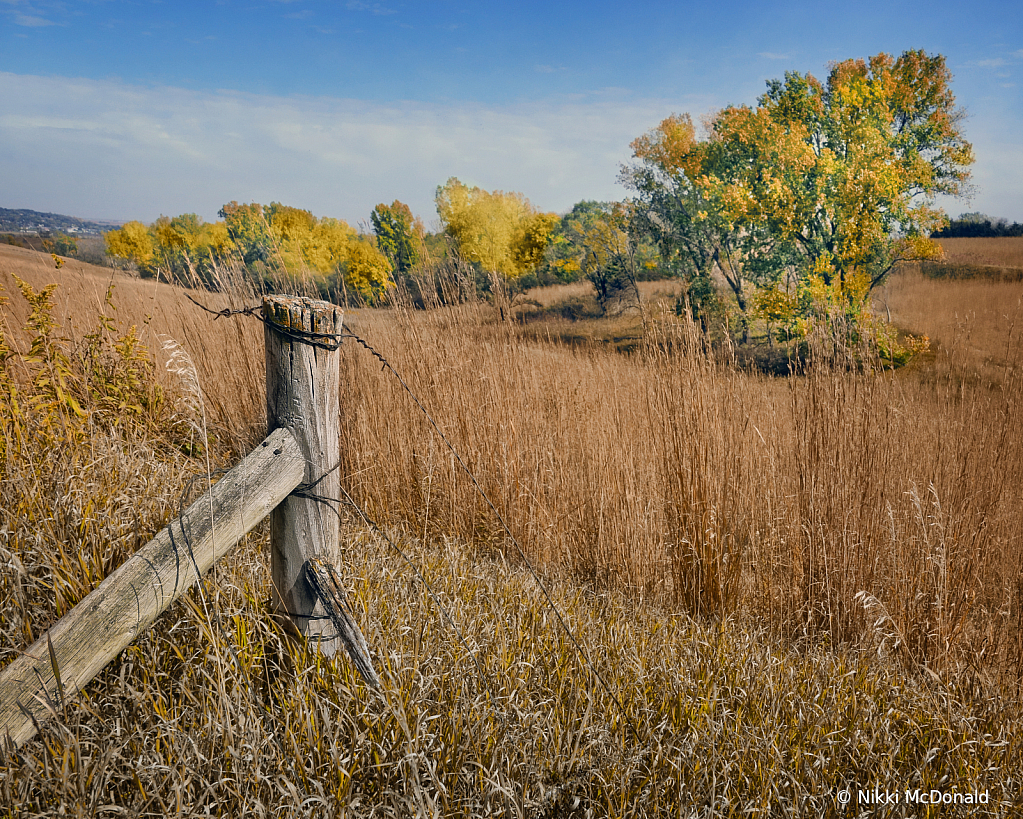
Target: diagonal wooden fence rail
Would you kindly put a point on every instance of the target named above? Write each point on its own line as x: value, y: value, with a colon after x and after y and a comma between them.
x: 303, y: 372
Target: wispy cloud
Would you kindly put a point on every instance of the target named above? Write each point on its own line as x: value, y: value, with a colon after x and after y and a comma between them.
x: 32, y: 21
x: 32, y: 14
x: 771, y: 55
x: 131, y: 151
x: 374, y: 8
x: 997, y: 62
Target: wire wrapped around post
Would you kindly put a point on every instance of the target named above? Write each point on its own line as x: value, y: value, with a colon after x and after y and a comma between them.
x: 303, y: 383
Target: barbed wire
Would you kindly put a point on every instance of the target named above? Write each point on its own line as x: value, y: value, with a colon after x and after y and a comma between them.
x: 334, y: 505
x: 322, y: 340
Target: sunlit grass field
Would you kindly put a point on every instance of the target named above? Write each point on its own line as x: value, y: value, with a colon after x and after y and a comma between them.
x: 994, y: 258
x: 1005, y: 251
x: 783, y: 587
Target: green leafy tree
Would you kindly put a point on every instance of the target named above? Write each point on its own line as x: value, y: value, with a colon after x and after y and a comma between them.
x: 677, y: 212
x: 399, y: 235
x: 249, y: 230
x: 846, y: 172
x: 64, y: 245
x: 597, y: 241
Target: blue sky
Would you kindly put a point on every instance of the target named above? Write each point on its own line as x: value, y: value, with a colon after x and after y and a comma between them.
x: 124, y: 109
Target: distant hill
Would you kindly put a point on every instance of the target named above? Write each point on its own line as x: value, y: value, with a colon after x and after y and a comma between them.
x: 32, y: 221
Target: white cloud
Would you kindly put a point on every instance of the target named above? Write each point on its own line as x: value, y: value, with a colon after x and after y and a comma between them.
x: 375, y: 8
x: 108, y: 149
x: 32, y: 21
x: 27, y: 14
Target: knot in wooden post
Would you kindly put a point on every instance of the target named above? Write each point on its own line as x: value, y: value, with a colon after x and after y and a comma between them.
x: 303, y: 382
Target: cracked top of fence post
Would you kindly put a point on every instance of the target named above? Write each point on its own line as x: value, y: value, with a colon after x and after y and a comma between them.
x: 318, y: 320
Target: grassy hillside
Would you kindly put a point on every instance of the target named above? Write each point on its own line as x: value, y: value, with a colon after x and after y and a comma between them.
x: 788, y: 586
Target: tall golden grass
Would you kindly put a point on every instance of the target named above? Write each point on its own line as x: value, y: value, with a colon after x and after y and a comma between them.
x: 1001, y: 251
x: 864, y: 507
x: 815, y: 502
x: 975, y: 322
x: 695, y: 522
x: 994, y: 258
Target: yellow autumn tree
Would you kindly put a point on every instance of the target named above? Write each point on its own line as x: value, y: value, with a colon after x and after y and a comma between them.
x: 325, y: 245
x: 132, y: 243
x: 367, y: 270
x: 832, y: 182
x: 501, y: 232
x: 531, y: 239
x: 290, y: 230
x: 843, y: 174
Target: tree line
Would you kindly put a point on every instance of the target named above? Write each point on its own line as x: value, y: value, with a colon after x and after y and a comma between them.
x: 789, y: 210
x: 978, y: 225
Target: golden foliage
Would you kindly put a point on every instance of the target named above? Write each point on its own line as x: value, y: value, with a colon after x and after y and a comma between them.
x: 533, y: 237
x: 501, y: 232
x: 834, y: 181
x: 367, y: 270
x: 672, y: 146
x: 62, y: 392
x: 131, y: 242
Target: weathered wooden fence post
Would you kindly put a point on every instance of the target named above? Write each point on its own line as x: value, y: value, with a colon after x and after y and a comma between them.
x: 303, y: 380
x: 300, y: 453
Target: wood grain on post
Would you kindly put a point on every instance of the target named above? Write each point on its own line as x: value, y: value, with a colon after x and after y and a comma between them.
x: 303, y: 382
x: 60, y: 663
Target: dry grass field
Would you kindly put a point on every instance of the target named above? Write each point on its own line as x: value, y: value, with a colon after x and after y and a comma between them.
x: 789, y: 586
x: 973, y: 319
x: 1006, y: 251
x: 995, y: 258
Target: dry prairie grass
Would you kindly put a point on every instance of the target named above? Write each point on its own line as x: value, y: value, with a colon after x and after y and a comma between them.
x: 674, y: 475
x: 570, y: 313
x: 994, y: 258
x: 709, y: 489
x: 1002, y: 251
x: 650, y: 292
x: 725, y: 720
x: 869, y: 524
x: 978, y: 321
x: 227, y: 354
